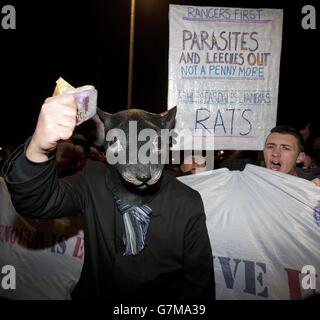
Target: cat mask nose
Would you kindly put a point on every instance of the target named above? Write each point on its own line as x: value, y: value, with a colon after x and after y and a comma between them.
x: 144, y: 177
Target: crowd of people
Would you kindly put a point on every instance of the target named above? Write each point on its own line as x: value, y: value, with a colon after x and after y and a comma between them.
x: 72, y: 155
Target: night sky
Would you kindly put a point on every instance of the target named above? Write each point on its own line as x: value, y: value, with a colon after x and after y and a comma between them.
x: 88, y: 43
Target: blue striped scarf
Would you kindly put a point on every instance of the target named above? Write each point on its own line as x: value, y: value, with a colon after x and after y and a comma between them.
x: 136, y: 222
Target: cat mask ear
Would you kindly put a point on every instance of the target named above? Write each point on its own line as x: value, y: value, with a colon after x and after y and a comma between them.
x: 169, y: 117
x: 105, y: 117
x: 102, y: 122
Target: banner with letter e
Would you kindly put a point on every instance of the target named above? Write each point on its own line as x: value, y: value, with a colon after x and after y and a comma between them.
x: 224, y: 75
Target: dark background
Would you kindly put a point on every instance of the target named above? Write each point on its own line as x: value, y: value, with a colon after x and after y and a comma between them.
x: 88, y: 43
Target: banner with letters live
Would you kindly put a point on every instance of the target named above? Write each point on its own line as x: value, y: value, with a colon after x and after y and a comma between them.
x: 224, y: 75
x: 264, y: 229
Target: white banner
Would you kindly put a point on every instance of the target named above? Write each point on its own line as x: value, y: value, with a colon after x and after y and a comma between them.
x: 264, y: 228
x: 47, y: 255
x: 224, y: 74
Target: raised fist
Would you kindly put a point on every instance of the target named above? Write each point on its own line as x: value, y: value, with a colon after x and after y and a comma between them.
x: 56, y: 121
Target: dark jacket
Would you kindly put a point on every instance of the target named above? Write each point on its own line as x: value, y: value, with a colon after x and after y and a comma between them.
x: 176, y: 261
x: 308, y: 174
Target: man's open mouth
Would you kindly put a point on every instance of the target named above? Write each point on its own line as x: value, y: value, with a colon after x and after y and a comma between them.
x: 275, y: 165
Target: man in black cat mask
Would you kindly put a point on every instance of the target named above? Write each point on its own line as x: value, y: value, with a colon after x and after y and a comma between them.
x: 145, y: 234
